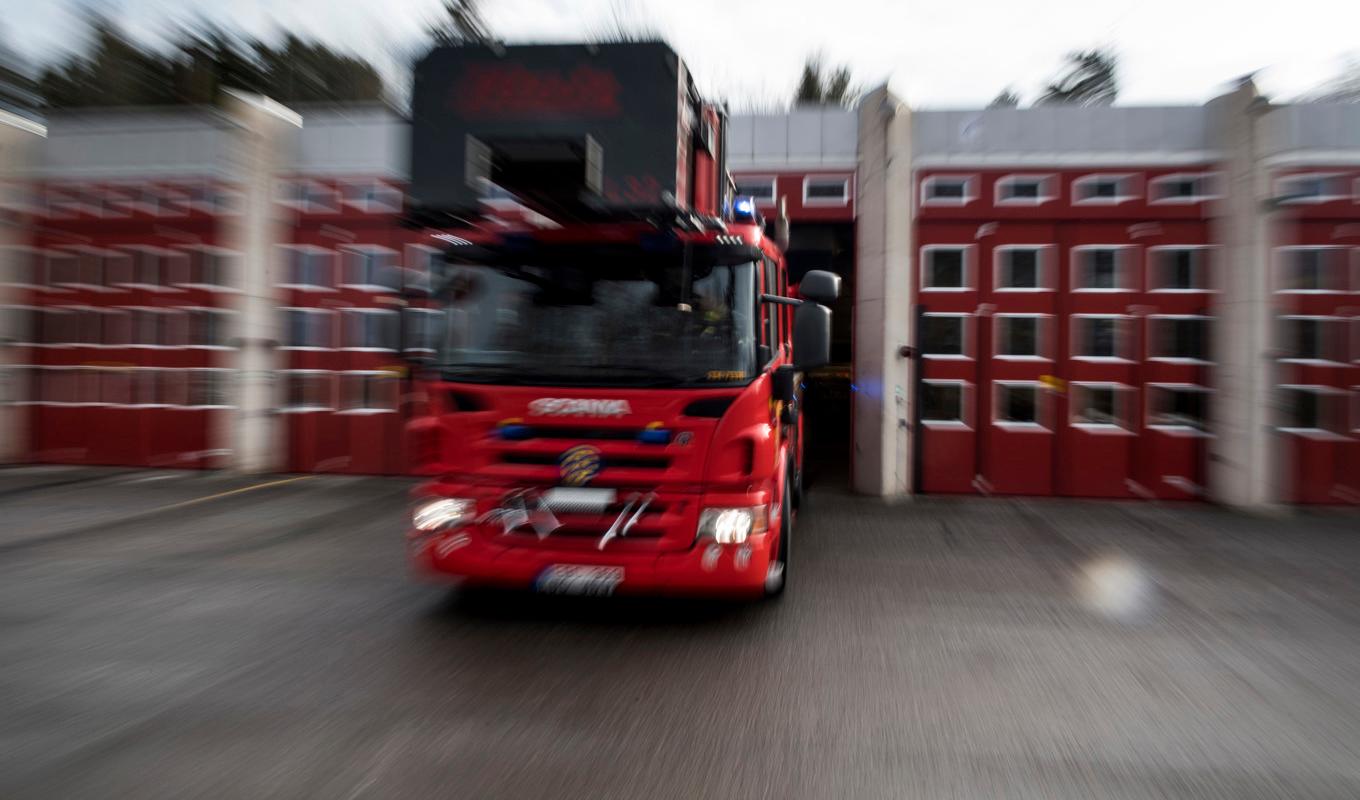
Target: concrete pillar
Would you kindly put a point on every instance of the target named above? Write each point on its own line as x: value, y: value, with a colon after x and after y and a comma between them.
x: 19, y: 142
x: 1244, y: 468
x: 263, y: 135
x: 883, y: 326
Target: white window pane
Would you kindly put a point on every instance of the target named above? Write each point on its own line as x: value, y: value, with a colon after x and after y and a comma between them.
x: 761, y: 189
x: 942, y: 336
x: 1020, y: 268
x: 1018, y: 336
x: 945, y: 268
x: 941, y: 402
x: 1017, y: 403
x: 1097, y: 405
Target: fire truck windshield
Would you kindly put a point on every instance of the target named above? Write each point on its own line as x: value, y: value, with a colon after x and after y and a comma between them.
x: 640, y: 321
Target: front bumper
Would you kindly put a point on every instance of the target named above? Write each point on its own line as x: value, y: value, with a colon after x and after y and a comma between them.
x: 481, y: 558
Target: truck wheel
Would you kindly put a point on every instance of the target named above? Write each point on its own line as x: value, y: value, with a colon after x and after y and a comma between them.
x: 777, y: 576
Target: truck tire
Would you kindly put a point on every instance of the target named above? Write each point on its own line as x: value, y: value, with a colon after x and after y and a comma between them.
x: 777, y: 576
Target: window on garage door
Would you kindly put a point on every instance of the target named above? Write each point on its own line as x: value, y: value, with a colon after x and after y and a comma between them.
x: 1018, y: 404
x: 1178, y: 268
x: 1313, y: 409
x: 1181, y: 406
x: 212, y: 267
x: 307, y: 327
x: 209, y: 387
x: 371, y: 267
x: 368, y: 391
x: 18, y: 325
x: 22, y: 266
x: 370, y: 329
x: 1100, y: 268
x: 1312, y: 269
x: 1020, y: 268
x: 1101, y: 405
x: 422, y: 329
x: 945, y: 267
x: 1098, y: 337
x: 944, y: 336
x: 942, y: 403
x: 1313, y: 338
x: 309, y: 266
x: 209, y: 327
x: 308, y: 390
x: 1179, y: 338
x: 1020, y: 336
x: 17, y: 384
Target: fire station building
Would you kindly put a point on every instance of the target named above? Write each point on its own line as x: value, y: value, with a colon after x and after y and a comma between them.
x: 1121, y: 302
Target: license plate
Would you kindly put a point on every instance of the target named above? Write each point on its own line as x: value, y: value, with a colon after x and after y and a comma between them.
x: 577, y: 579
x: 572, y: 500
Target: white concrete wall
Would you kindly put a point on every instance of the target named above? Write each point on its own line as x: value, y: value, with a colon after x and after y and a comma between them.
x: 365, y: 140
x: 20, y: 142
x: 1057, y: 135
x: 883, y: 266
x: 1243, y: 455
x: 109, y: 145
x: 805, y: 138
x: 264, y: 132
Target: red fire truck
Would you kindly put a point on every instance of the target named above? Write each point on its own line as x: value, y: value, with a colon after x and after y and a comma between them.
x: 614, y: 398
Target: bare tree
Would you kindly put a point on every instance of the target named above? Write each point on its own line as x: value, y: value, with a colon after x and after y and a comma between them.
x: 1006, y: 99
x: 1089, y: 78
x: 818, y: 87
x: 461, y: 21
x: 18, y: 92
x: 626, y: 24
x: 117, y: 70
x: 1344, y: 88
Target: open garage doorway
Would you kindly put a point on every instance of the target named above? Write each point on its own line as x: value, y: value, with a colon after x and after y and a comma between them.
x: 827, y: 406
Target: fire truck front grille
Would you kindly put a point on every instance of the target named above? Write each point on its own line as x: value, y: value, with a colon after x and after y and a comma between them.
x: 607, y: 462
x: 663, y: 524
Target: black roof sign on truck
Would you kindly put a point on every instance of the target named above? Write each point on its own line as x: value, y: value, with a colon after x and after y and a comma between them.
x: 577, y: 129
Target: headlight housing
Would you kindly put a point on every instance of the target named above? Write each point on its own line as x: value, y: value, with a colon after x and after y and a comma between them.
x: 444, y: 513
x: 733, y: 525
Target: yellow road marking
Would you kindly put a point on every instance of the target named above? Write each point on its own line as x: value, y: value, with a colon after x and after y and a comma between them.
x: 198, y: 500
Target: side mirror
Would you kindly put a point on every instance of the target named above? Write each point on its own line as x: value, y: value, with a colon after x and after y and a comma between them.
x: 820, y: 286
x: 811, y: 335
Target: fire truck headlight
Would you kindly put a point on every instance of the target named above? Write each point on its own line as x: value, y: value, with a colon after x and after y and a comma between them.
x: 732, y: 525
x: 448, y: 512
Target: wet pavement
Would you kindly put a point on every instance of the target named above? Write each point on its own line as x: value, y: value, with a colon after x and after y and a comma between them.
x: 196, y: 635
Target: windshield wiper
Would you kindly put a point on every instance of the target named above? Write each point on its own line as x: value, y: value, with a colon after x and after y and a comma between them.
x: 489, y: 373
x: 557, y: 374
x: 660, y: 375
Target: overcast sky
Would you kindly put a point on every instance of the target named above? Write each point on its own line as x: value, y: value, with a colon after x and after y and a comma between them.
x: 936, y: 53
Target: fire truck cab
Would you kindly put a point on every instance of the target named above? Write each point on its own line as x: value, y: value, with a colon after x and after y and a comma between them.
x: 614, y: 401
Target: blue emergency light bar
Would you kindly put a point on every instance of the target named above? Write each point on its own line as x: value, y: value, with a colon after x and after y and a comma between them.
x: 744, y: 209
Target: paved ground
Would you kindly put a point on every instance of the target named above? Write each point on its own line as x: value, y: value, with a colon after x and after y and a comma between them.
x: 267, y: 643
